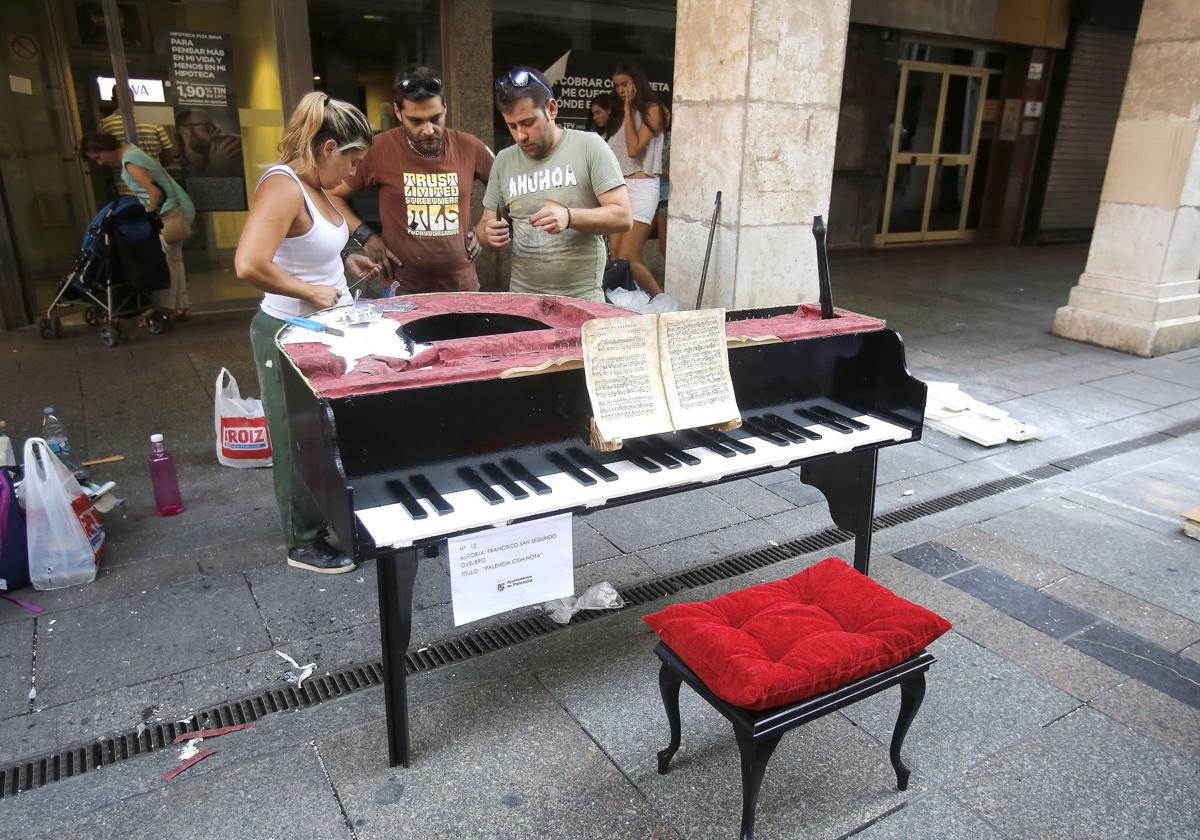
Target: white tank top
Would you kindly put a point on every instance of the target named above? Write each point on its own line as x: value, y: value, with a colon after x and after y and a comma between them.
x: 651, y: 160
x: 314, y: 256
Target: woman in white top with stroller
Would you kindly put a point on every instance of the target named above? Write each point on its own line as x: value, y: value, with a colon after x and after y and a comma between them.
x: 291, y: 248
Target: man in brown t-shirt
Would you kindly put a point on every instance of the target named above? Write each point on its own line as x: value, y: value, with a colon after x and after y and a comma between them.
x: 423, y: 173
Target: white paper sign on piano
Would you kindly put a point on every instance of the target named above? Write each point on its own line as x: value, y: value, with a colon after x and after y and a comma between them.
x: 514, y: 566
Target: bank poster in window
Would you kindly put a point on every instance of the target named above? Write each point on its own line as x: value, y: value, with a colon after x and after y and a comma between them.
x: 578, y: 76
x: 207, y: 125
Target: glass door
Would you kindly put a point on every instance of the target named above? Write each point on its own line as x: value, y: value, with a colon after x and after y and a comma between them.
x: 932, y: 141
x: 44, y: 182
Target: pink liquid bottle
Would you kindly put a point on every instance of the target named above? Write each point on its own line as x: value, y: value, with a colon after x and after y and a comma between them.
x: 162, y: 476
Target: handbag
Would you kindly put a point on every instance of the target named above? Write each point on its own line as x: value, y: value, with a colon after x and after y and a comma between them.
x: 176, y: 227
x: 243, y: 439
x: 14, y: 549
x: 64, y: 531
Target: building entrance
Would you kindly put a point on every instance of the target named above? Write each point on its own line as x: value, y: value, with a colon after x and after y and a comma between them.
x: 44, y: 182
x: 932, y: 143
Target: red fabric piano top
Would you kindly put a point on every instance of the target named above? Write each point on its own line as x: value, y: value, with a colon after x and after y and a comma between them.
x: 487, y: 357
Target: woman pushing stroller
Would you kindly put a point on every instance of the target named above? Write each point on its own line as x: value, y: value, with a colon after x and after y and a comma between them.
x: 159, y: 193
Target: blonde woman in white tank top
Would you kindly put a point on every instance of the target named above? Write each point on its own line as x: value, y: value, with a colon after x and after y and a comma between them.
x: 638, y: 145
x: 291, y: 249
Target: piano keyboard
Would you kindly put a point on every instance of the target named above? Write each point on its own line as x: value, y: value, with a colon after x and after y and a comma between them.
x: 447, y: 500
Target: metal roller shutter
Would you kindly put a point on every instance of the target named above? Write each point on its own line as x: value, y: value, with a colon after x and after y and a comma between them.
x: 1091, y: 103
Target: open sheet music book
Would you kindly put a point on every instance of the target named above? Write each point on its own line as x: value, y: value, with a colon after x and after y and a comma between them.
x: 657, y: 373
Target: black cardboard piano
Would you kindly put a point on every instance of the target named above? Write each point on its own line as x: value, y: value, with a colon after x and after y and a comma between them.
x: 488, y: 424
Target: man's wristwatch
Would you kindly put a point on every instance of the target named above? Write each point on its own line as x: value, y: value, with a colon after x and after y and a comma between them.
x: 362, y: 233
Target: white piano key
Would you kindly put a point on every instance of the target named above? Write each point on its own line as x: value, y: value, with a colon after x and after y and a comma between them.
x: 390, y: 526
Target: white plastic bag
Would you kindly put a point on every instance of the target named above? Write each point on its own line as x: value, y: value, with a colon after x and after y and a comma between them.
x: 638, y: 301
x: 243, y: 439
x: 600, y: 596
x: 64, y: 531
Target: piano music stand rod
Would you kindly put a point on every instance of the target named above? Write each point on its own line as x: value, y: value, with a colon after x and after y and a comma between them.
x: 707, y: 251
x: 826, y: 293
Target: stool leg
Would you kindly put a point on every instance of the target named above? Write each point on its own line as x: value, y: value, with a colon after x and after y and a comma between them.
x: 755, y: 756
x: 669, y: 681
x: 912, y: 692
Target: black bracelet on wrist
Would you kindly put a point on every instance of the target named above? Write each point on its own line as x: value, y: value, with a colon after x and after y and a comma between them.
x: 362, y: 233
x: 568, y: 209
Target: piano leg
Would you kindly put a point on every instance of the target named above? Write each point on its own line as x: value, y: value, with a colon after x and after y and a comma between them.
x: 396, y: 573
x: 848, y: 482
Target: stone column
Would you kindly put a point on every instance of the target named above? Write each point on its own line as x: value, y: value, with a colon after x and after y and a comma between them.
x: 757, y: 90
x: 467, y: 70
x: 1140, y: 292
x: 294, y: 49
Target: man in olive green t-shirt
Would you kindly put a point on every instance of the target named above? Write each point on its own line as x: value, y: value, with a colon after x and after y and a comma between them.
x: 562, y: 190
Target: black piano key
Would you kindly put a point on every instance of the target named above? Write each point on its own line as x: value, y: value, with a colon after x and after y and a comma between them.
x: 480, y: 486
x: 401, y: 494
x: 771, y: 426
x: 637, y: 459
x: 824, y: 421
x: 761, y: 430
x: 729, y: 440
x: 426, y: 489
x: 677, y: 453
x: 710, y: 444
x: 588, y: 462
x: 560, y: 461
x: 841, y: 418
x: 531, y: 481
x: 647, y: 449
x: 499, y: 476
x: 788, y: 425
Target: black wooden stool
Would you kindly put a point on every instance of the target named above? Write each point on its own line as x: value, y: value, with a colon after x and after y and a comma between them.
x: 758, y: 732
x: 777, y: 655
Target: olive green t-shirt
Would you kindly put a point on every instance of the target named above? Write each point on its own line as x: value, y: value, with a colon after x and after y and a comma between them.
x: 579, y: 170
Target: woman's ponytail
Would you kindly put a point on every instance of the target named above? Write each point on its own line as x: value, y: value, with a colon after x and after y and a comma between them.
x: 319, y: 118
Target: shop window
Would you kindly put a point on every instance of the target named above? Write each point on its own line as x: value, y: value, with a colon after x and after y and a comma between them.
x: 359, y: 47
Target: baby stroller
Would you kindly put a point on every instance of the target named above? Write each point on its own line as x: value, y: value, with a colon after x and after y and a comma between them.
x: 119, y: 268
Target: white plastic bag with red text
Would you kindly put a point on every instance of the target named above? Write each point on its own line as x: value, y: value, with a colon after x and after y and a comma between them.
x: 243, y: 439
x: 64, y: 531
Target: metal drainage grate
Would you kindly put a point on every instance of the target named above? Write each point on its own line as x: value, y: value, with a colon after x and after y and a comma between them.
x: 86, y: 756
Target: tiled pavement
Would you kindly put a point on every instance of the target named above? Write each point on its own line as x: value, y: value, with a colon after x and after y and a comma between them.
x: 1066, y: 702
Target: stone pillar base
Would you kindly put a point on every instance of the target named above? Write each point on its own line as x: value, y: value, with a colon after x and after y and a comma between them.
x: 1141, y: 338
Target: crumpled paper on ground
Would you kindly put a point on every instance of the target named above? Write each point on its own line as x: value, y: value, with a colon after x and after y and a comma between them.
x: 600, y: 596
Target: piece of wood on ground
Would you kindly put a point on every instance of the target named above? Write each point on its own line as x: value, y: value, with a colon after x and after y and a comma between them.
x: 211, y: 733
x: 179, y: 768
x: 1191, y: 522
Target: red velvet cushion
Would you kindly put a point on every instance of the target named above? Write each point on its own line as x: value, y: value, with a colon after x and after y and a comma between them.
x: 779, y: 642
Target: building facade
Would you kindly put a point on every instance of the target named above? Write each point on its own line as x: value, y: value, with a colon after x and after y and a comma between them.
x: 903, y: 122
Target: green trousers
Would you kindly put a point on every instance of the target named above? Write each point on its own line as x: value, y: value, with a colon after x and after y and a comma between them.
x: 301, y: 519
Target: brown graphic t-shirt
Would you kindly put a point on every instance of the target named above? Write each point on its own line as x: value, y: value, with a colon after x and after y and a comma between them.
x: 425, y: 206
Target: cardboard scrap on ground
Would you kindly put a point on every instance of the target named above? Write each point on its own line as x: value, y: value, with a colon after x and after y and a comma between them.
x: 1191, y: 522
x: 955, y: 413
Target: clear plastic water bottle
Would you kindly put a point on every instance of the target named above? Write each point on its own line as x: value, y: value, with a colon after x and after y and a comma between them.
x: 162, y: 476
x: 54, y: 433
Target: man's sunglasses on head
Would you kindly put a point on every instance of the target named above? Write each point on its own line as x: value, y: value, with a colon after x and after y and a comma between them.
x: 429, y: 84
x: 520, y: 78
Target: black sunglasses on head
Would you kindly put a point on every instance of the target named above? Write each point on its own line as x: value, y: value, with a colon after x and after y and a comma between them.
x: 412, y: 84
x: 519, y: 78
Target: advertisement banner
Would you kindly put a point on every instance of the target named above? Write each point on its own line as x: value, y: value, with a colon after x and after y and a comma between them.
x: 579, y: 76
x: 206, y: 120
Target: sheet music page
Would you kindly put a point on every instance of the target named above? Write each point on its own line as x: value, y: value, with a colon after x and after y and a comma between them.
x: 695, y: 368
x: 620, y: 360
